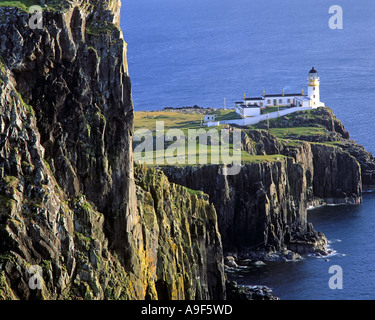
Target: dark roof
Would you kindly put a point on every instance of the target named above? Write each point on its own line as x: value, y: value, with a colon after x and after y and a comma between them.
x: 254, y: 98
x: 313, y: 70
x: 285, y: 95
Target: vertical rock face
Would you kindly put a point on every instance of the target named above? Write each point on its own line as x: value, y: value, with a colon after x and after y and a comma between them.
x: 337, y: 175
x: 67, y: 191
x: 265, y: 205
x: 181, y: 238
x: 74, y: 74
x: 70, y: 123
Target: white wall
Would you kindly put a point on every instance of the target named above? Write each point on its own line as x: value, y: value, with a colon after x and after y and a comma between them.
x: 303, y: 102
x: 284, y: 101
x: 314, y: 90
x: 213, y: 123
x: 239, y: 111
x: 251, y: 112
x: 209, y: 118
x: 256, y: 119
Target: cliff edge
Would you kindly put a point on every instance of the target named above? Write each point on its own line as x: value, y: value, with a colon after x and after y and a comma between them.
x: 264, y: 207
x: 73, y: 223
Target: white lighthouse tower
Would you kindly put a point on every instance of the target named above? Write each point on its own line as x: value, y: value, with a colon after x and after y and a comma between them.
x: 313, y: 89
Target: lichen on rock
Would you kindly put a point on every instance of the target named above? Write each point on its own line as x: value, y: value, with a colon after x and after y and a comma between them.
x: 69, y: 203
x: 182, y: 242
x: 265, y: 206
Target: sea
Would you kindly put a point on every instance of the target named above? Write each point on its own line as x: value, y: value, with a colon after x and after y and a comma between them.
x: 211, y: 52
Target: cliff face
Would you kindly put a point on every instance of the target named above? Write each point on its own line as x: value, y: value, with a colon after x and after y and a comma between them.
x: 181, y: 238
x: 73, y: 207
x: 74, y: 75
x: 67, y: 190
x: 334, y: 132
x: 265, y: 205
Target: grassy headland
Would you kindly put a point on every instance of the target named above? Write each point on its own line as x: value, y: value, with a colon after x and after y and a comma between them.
x: 190, y: 120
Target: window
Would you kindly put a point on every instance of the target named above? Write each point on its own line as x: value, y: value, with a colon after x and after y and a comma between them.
x: 261, y: 104
x: 314, y: 96
x: 280, y: 101
x: 314, y: 88
x: 288, y: 100
x: 275, y: 102
x: 268, y: 101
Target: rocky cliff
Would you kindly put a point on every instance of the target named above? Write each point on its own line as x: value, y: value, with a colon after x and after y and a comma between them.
x: 181, y: 239
x: 70, y: 207
x: 264, y: 207
x: 78, y: 221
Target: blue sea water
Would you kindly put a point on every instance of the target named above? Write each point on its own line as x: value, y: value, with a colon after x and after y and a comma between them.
x: 198, y: 52
x: 350, y: 232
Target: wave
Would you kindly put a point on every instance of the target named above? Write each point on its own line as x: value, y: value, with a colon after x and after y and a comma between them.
x: 334, y: 241
x: 331, y: 251
x: 314, y: 207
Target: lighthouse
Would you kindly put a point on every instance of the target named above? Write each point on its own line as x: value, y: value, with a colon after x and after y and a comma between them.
x: 313, y: 89
x: 250, y: 107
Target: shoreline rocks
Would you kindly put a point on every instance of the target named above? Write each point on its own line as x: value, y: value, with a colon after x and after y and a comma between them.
x: 249, y: 258
x: 243, y: 292
x: 265, y: 206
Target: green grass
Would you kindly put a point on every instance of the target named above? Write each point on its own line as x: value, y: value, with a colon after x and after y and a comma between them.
x: 11, y: 182
x: 6, y: 203
x: 2, y: 71
x: 213, y: 157
x: 29, y: 109
x: 337, y: 144
x: 172, y: 120
x: 2, y: 64
x: 103, y: 27
x: 194, y: 192
x: 230, y: 114
x: 297, y: 143
x: 178, y: 120
x: 272, y: 109
x: 308, y: 114
x: 291, y: 142
x: 22, y: 5
x: 285, y: 133
x: 248, y: 159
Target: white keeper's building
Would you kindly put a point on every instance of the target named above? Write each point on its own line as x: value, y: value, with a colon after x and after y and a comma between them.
x: 250, y: 107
